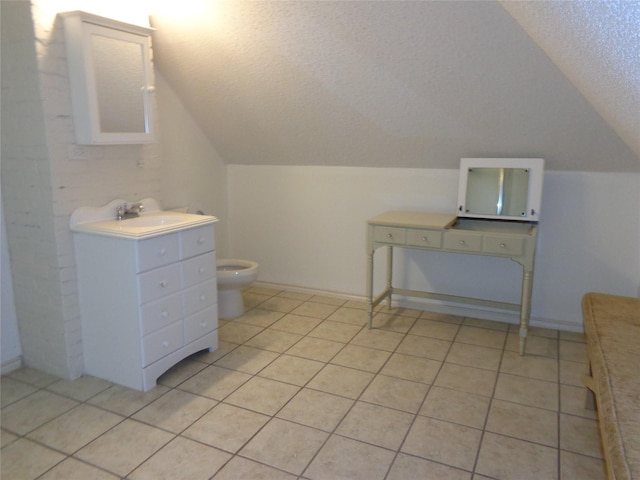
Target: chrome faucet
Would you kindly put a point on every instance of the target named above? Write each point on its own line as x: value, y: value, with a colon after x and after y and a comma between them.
x: 122, y: 212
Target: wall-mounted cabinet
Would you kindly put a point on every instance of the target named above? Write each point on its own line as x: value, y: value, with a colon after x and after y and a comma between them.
x: 110, y: 74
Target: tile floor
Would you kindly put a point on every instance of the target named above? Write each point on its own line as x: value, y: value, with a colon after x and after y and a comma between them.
x: 301, y: 389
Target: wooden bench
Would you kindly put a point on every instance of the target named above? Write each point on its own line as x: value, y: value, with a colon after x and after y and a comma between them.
x: 612, y: 331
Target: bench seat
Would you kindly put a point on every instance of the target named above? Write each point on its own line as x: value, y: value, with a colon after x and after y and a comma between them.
x: 612, y: 331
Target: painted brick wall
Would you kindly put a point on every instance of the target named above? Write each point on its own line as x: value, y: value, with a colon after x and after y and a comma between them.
x: 45, y: 177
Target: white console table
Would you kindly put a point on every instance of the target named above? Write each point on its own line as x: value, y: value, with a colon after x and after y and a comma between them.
x: 448, y: 233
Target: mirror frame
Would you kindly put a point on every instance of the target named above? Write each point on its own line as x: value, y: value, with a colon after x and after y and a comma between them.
x: 534, y: 194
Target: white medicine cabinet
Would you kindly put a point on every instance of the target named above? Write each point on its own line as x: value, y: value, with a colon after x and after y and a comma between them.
x: 110, y: 75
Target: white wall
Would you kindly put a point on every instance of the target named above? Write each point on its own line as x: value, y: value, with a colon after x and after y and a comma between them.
x: 192, y: 174
x: 10, y: 348
x: 306, y: 228
x: 45, y: 177
x: 590, y: 240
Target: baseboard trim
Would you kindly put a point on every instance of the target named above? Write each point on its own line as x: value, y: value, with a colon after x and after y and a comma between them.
x: 484, y: 313
x: 437, y: 306
x: 11, y: 365
x: 309, y: 291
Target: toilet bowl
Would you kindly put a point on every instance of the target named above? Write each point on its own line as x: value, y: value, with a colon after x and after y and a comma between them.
x: 233, y: 275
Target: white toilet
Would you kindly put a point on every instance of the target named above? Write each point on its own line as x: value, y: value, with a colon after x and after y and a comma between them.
x: 233, y: 276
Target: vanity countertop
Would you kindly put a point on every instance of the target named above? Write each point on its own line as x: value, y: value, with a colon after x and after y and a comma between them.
x: 414, y: 219
x: 146, y: 225
x: 153, y: 221
x: 446, y: 221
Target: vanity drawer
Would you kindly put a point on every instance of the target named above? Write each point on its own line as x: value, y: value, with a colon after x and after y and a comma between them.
x: 196, y: 241
x: 424, y: 238
x: 463, y: 242
x: 158, y: 314
x: 157, y: 251
x: 200, y: 324
x: 200, y: 297
x: 161, y: 343
x: 390, y: 235
x: 503, y: 245
x: 199, y: 269
x: 159, y: 282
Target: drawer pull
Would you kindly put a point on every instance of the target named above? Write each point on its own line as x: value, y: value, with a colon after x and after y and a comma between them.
x: 425, y: 239
x: 165, y: 344
x: 203, y: 298
x: 164, y: 284
x: 203, y: 324
x: 162, y: 252
x: 462, y: 242
x: 389, y: 235
x: 503, y: 245
x: 201, y: 270
x: 164, y: 314
x: 200, y: 241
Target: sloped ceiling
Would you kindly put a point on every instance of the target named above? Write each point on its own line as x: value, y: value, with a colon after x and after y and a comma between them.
x: 597, y: 46
x: 383, y: 84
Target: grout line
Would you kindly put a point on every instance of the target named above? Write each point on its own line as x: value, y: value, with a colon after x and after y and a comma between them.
x: 559, y: 416
x: 491, y: 399
x: 279, y: 354
x: 424, y: 399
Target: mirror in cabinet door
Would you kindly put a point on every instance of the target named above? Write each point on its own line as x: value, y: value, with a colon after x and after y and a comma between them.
x: 110, y: 74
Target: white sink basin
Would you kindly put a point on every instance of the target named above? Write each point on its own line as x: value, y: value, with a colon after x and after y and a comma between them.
x: 148, y: 224
x: 151, y: 220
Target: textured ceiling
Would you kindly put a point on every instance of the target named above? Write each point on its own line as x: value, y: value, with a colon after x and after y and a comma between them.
x: 596, y: 45
x: 387, y: 84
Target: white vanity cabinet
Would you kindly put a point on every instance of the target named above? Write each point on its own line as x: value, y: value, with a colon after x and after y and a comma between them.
x: 146, y: 303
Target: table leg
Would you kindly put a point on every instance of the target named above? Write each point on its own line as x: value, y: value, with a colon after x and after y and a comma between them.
x: 370, y: 286
x: 389, y: 273
x: 525, y: 308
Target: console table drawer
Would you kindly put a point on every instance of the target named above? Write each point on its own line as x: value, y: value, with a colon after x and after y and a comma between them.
x: 424, y: 238
x: 390, y: 235
x: 502, y: 245
x: 463, y: 242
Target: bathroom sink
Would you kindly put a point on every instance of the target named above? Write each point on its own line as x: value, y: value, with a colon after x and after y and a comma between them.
x: 151, y: 220
x: 148, y: 224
